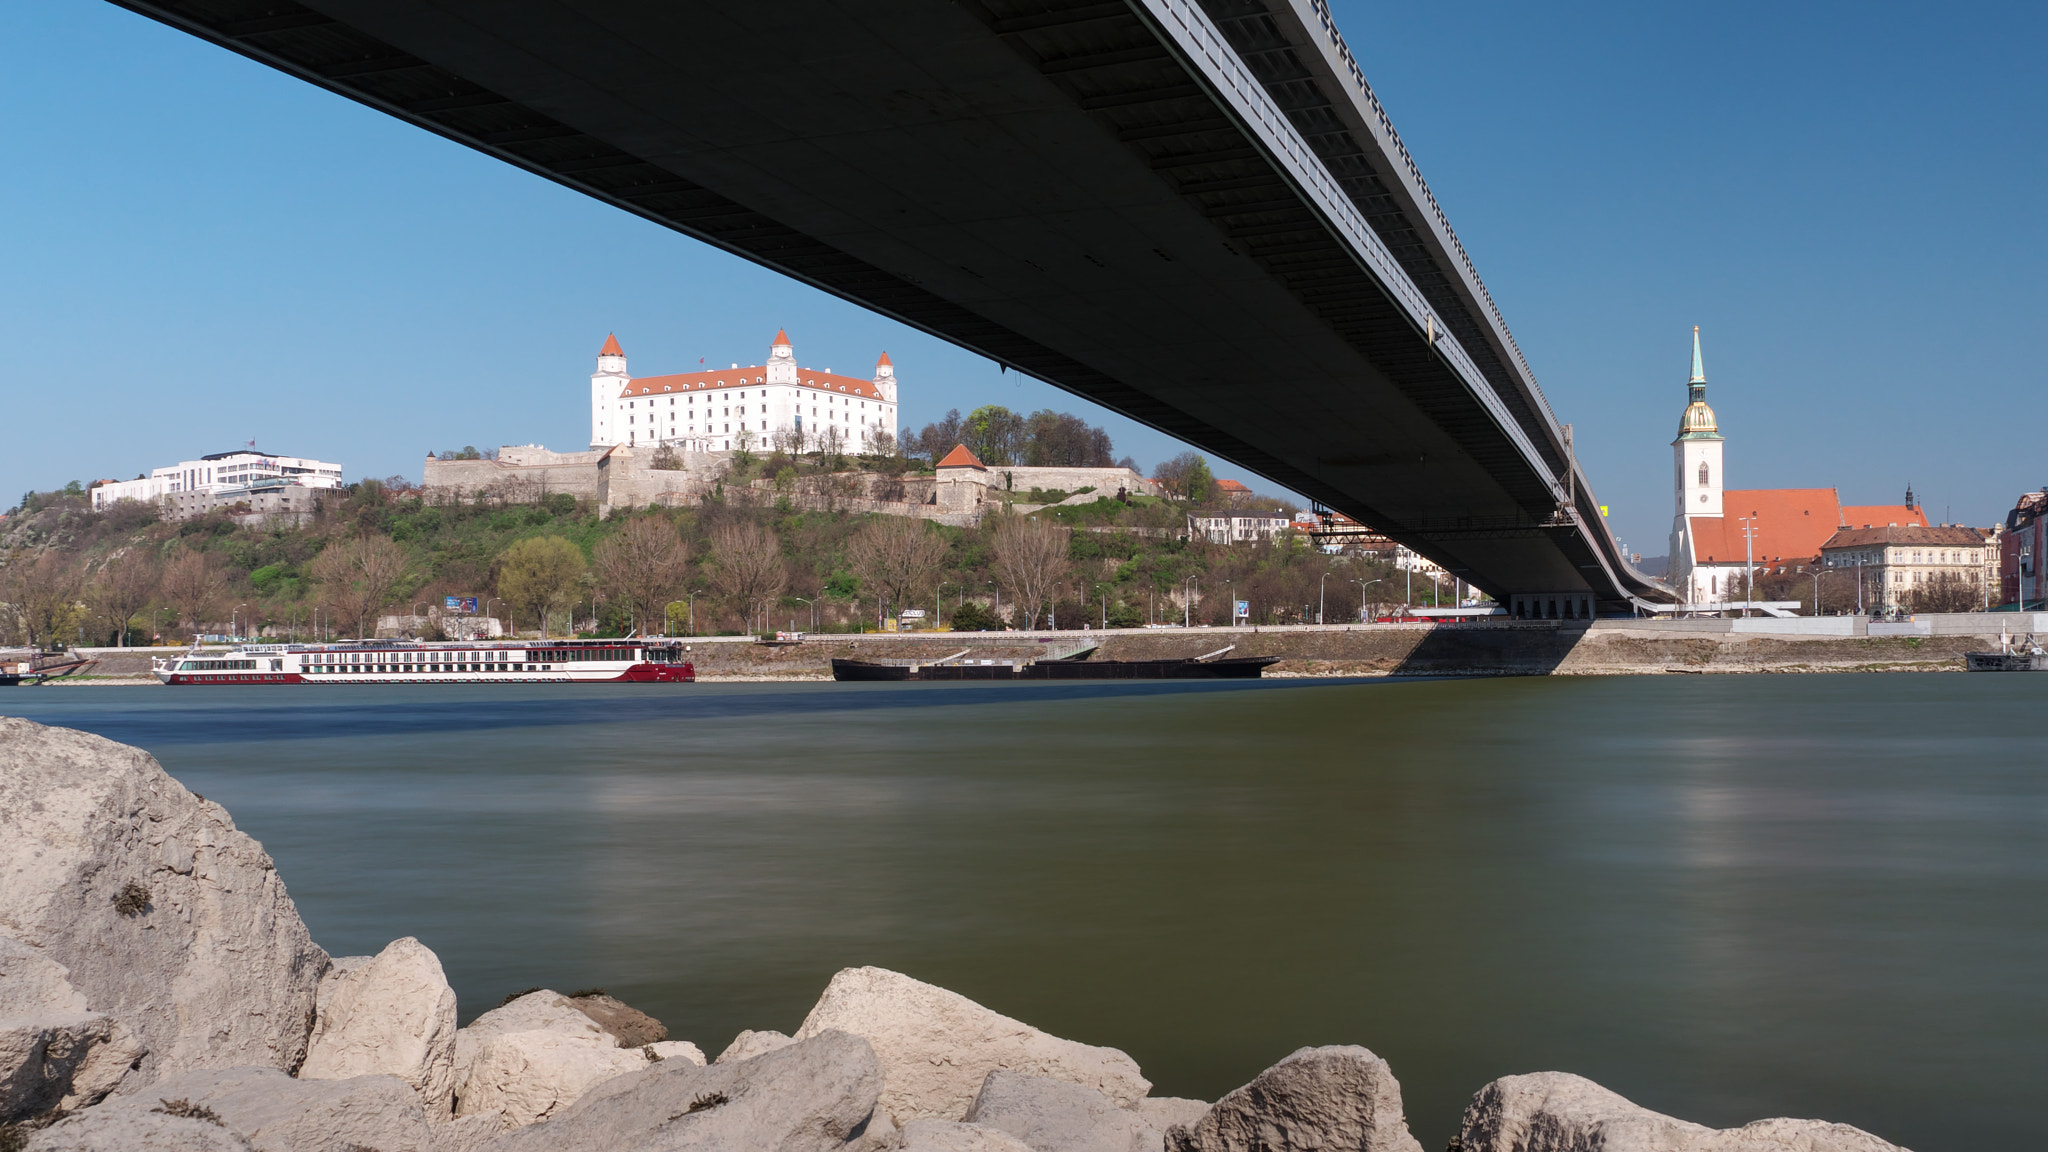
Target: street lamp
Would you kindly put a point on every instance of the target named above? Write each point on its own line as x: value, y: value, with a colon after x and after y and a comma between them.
x: 1361, y: 594
x: 1319, y: 595
x: 693, y: 610
x: 814, y: 611
x: 508, y: 612
x: 1187, y: 602
x: 938, y: 605
x: 235, y: 619
x: 417, y: 614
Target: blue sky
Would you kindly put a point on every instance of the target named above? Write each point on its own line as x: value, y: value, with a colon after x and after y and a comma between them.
x: 196, y: 251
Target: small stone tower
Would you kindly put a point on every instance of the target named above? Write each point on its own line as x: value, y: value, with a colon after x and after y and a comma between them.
x: 606, y: 384
x: 885, y: 379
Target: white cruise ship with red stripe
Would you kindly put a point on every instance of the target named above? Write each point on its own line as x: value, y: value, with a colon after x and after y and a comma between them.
x: 646, y: 660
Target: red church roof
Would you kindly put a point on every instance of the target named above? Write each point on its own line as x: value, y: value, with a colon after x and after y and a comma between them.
x: 960, y: 457
x: 1789, y: 524
x: 781, y: 337
x: 611, y: 346
x: 883, y: 360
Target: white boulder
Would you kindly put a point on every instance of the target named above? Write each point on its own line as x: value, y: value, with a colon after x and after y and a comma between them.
x: 936, y: 1047
x: 1054, y: 1116
x: 1340, y: 1096
x: 1560, y: 1112
x: 532, y: 1075
x: 393, y: 1015
x: 53, y: 1053
x: 163, y: 915
x: 675, y: 1050
x: 950, y: 1136
x: 277, y: 1113
x: 104, y: 1130
x: 750, y: 1044
x: 1163, y: 1112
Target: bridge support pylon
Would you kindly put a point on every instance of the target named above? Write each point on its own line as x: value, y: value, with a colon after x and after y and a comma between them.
x: 1573, y: 605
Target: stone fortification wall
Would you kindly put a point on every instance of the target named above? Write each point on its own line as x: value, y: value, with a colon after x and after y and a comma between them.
x: 1104, y: 480
x: 518, y: 483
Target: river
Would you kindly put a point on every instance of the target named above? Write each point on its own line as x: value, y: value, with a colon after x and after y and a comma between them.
x: 1726, y: 897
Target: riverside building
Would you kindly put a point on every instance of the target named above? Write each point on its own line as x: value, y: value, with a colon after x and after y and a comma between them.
x: 1896, y: 560
x: 1721, y: 537
x: 775, y: 403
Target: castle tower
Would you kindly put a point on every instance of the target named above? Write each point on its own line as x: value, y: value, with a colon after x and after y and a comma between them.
x: 885, y: 379
x: 606, y: 384
x: 781, y: 360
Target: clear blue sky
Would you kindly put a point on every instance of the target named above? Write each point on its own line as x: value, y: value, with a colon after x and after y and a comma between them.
x: 196, y: 251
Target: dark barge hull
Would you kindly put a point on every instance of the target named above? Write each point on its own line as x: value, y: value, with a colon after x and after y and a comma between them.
x: 1241, y: 668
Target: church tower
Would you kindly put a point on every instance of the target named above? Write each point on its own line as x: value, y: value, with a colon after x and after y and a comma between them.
x: 1696, y: 458
x: 606, y: 384
x: 781, y: 360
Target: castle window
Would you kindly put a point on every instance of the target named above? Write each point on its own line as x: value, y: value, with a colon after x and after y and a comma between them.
x: 1703, y: 473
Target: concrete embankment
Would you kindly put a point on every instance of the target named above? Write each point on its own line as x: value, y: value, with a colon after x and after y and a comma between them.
x: 1478, y: 648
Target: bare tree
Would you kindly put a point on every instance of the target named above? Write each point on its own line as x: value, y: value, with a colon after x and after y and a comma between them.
x: 1947, y: 592
x: 43, y: 592
x: 747, y: 567
x: 895, y: 556
x: 540, y: 574
x: 1029, y: 555
x: 122, y: 588
x: 643, y: 566
x: 195, y: 584
x: 362, y: 574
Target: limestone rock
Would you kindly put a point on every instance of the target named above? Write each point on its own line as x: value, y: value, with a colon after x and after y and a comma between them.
x: 1560, y: 1112
x: 468, y: 1133
x: 61, y: 1062
x: 628, y: 1025
x: 277, y: 1113
x: 676, y: 1050
x: 53, y: 1053
x: 164, y: 916
x: 936, y: 1046
x: 1055, y: 1116
x: 1163, y: 1112
x: 394, y: 1015
x: 541, y: 1011
x: 813, y: 1096
x: 104, y: 1130
x: 950, y: 1136
x: 532, y: 1075
x: 750, y: 1044
x: 1341, y: 1096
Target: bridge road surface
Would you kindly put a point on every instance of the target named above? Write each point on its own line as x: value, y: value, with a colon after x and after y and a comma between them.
x: 1193, y: 212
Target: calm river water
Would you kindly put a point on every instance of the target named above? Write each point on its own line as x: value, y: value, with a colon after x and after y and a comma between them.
x: 1726, y: 897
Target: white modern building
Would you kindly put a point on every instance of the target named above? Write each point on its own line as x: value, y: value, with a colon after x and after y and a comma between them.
x: 727, y: 409
x: 216, y: 474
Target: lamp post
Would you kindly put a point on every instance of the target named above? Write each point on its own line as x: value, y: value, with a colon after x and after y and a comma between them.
x: 1319, y: 595
x: 938, y: 605
x: 508, y: 612
x: 693, y: 610
x: 1230, y: 590
x: 1187, y: 602
x: 814, y: 611
x: 235, y: 619
x: 998, y: 589
x: 1361, y: 595
x: 416, y: 613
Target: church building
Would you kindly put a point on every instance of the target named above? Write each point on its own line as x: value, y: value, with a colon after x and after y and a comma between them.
x: 765, y: 405
x: 1719, y: 535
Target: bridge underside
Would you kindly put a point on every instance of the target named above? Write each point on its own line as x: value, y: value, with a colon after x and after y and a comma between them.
x: 1053, y: 185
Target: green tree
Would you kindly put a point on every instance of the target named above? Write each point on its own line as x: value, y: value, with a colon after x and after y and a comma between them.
x: 539, y: 575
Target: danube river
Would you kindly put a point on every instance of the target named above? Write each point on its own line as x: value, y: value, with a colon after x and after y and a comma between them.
x: 1726, y: 897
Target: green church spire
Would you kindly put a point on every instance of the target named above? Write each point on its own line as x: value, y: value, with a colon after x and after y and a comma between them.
x: 1699, y: 371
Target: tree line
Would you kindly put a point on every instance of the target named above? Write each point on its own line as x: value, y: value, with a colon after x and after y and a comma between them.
x: 69, y: 574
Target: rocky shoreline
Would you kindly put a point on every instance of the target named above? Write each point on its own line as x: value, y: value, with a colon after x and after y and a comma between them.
x: 158, y: 991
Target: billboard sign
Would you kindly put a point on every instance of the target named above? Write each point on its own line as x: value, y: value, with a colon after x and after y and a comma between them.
x: 1244, y: 609
x: 464, y: 605
x: 911, y: 614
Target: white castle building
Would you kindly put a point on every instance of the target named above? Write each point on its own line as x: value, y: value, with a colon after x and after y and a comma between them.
x: 740, y: 407
x: 216, y: 474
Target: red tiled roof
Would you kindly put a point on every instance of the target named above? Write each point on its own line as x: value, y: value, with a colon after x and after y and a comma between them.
x: 1790, y: 523
x: 747, y: 377
x: 960, y: 457
x: 883, y: 360
x: 1231, y: 486
x: 611, y: 346
x: 781, y: 337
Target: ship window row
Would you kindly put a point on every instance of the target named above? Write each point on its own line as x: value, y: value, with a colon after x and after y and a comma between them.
x: 216, y: 665
x: 402, y: 669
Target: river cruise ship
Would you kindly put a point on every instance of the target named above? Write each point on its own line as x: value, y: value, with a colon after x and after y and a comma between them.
x: 647, y: 660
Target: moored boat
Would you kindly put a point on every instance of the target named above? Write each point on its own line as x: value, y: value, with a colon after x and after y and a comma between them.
x: 2012, y: 656
x: 645, y: 660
